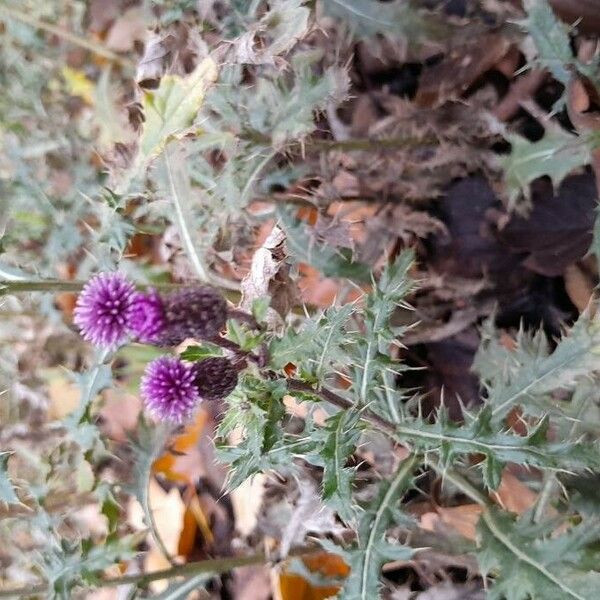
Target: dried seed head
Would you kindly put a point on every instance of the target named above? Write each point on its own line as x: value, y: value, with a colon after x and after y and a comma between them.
x: 216, y: 378
x: 199, y: 312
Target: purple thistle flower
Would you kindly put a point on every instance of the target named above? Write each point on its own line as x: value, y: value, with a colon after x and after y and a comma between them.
x: 146, y: 316
x: 101, y: 309
x: 169, y: 389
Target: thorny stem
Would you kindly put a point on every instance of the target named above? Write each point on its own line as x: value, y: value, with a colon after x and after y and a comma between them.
x: 212, y: 565
x: 458, y: 480
x: 73, y: 38
x: 368, y: 144
x: 55, y: 285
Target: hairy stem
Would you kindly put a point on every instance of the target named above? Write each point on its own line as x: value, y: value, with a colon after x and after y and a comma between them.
x: 70, y: 37
x: 212, y: 565
x: 55, y: 285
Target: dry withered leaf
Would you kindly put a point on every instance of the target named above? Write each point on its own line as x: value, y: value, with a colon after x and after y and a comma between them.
x: 291, y: 586
x: 558, y: 230
x: 586, y: 13
x: 127, y: 28
x: 269, y: 276
x: 469, y: 249
x: 450, y: 78
x: 579, y: 285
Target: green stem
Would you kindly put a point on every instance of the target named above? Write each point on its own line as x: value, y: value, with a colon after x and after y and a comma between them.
x: 73, y: 38
x: 183, y: 219
x: 358, y: 144
x: 55, y: 285
x: 371, y: 143
x: 212, y: 565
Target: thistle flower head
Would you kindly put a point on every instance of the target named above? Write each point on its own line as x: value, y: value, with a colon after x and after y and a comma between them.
x: 102, y: 308
x: 199, y: 312
x: 169, y: 389
x: 146, y: 316
x: 216, y: 378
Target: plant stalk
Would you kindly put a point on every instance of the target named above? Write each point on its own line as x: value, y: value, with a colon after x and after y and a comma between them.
x: 73, y: 38
x: 211, y: 565
x: 56, y: 285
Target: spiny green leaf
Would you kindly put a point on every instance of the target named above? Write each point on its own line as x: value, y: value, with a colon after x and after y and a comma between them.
x: 555, y: 155
x: 396, y: 19
x: 478, y: 434
x: 169, y: 111
x: 524, y: 376
x: 146, y: 448
x: 551, y: 38
x: 329, y: 261
x: 528, y: 566
x: 372, y: 550
x: 343, y: 434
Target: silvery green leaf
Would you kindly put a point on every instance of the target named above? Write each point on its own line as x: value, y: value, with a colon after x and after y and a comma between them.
x: 7, y: 490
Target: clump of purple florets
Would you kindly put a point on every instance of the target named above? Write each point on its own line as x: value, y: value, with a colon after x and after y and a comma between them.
x: 109, y: 312
x: 146, y: 317
x: 102, y: 309
x: 172, y: 388
x: 169, y: 389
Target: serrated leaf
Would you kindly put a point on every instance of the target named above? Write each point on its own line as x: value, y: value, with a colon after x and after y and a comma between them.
x: 342, y: 435
x: 367, y: 18
x: 283, y: 25
x: 169, y: 112
x: 318, y: 346
x: 146, y: 449
x: 555, y: 155
x: 524, y: 376
x: 550, y: 37
x: 7, y: 490
x: 479, y: 434
x: 530, y: 566
x: 329, y: 261
x: 367, y: 557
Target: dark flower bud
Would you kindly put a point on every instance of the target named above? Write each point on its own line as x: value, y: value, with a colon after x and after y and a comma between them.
x: 199, y: 312
x: 216, y: 378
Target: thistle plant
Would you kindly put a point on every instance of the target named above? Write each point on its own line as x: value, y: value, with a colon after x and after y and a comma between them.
x: 320, y: 396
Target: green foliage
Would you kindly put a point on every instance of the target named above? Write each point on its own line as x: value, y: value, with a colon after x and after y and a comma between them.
x: 535, y: 564
x: 169, y: 112
x: 551, y: 38
x: 226, y: 135
x: 332, y: 262
x: 256, y: 410
x: 7, y: 490
x: 68, y: 565
x: 397, y: 18
x: 556, y: 155
x: 528, y: 375
x: 373, y: 549
x: 146, y: 449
